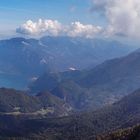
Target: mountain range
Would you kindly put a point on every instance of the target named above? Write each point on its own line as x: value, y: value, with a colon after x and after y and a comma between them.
x: 23, y: 60
x: 94, y: 88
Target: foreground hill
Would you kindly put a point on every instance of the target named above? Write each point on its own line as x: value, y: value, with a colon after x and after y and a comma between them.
x: 83, y: 126
x: 22, y: 60
x: 106, y: 83
x: 13, y: 102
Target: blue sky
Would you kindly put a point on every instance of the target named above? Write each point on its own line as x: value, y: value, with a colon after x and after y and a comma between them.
x: 15, y: 12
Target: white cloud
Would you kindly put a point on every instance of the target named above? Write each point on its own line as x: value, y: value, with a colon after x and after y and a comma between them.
x: 55, y: 28
x: 50, y: 27
x: 123, y: 16
x: 123, y: 19
x: 81, y: 30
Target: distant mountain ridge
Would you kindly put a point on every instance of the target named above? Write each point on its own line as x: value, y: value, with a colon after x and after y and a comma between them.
x: 22, y: 60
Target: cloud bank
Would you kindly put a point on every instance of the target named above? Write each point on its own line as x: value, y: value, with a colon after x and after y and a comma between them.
x: 123, y: 16
x: 55, y: 28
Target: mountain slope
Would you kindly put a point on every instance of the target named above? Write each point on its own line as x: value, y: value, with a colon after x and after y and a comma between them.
x: 20, y: 60
x: 132, y: 133
x: 114, y: 70
x: 122, y: 114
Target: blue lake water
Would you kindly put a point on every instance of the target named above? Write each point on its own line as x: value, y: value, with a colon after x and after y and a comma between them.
x: 17, y: 82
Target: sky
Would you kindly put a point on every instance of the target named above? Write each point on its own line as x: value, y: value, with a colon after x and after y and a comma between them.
x: 15, y: 12
x: 82, y: 18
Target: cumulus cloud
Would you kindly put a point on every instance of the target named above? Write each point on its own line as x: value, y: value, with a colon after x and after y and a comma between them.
x: 81, y: 30
x: 55, y: 28
x: 123, y: 16
x: 50, y: 27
